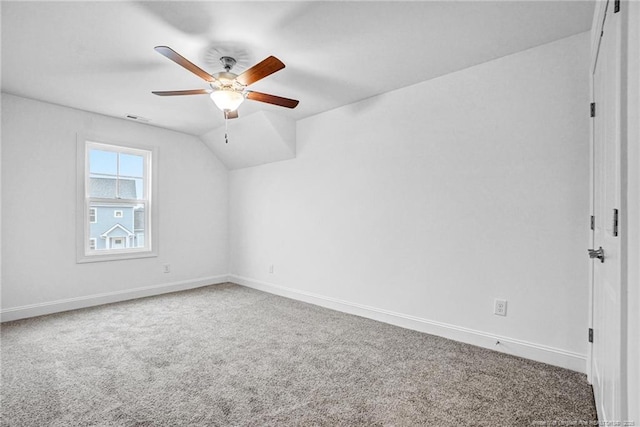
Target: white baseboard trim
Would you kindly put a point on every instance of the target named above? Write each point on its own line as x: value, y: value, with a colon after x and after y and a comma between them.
x: 538, y: 352
x: 32, y: 310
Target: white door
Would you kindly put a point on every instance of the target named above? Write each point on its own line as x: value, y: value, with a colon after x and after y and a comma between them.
x: 606, y: 359
x: 117, y: 243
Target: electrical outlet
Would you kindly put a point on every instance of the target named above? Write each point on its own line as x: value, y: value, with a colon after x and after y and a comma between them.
x: 271, y: 269
x: 500, y: 307
x: 166, y: 268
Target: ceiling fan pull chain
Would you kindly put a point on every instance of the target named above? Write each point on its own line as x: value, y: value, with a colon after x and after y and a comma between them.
x: 226, y: 120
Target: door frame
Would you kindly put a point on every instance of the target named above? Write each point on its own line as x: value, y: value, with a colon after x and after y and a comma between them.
x: 596, y: 29
x: 630, y: 181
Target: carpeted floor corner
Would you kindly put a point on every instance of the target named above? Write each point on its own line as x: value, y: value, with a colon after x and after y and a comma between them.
x: 226, y: 355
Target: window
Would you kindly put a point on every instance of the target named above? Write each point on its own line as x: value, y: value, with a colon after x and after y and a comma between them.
x: 116, y: 199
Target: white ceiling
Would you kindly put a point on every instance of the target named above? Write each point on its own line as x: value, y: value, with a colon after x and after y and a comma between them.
x: 98, y: 56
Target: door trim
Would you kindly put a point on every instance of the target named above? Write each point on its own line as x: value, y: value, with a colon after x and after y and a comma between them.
x: 597, y: 28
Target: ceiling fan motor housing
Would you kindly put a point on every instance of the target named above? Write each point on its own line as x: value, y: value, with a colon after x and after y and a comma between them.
x: 225, y: 80
x: 228, y: 62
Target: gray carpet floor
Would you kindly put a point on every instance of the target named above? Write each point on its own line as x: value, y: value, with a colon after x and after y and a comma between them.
x: 226, y: 355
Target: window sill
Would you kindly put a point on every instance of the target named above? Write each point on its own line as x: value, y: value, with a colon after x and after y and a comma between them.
x: 125, y: 255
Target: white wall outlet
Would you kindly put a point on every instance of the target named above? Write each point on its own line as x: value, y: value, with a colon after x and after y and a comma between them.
x: 500, y: 307
x: 271, y: 269
x: 166, y: 268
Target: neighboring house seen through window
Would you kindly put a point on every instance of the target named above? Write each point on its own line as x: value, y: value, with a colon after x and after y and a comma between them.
x: 117, y: 202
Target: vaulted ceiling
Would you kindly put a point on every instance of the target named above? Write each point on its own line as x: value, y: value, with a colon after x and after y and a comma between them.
x: 98, y: 56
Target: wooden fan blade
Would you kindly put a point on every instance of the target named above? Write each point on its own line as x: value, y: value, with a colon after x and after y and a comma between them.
x: 181, y: 60
x: 272, y: 99
x: 260, y: 71
x: 231, y: 114
x: 182, y: 92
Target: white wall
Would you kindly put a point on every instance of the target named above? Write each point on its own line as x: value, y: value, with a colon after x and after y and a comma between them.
x: 39, y: 270
x: 422, y: 205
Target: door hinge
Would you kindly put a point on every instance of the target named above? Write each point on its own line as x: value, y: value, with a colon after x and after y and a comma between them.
x: 593, y: 222
x: 616, y: 6
x: 590, y: 334
x: 615, y: 222
x: 593, y: 109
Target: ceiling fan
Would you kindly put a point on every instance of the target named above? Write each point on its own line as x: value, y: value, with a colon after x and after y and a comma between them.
x: 228, y: 90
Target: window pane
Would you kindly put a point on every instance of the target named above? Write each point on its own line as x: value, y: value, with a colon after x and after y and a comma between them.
x: 131, y: 165
x: 103, y: 162
x: 114, y: 175
x: 118, y: 226
x: 139, y: 220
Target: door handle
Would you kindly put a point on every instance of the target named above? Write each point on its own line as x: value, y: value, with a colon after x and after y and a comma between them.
x: 597, y: 253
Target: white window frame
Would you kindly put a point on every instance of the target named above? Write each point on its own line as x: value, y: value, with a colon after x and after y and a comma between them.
x: 117, y: 214
x: 150, y: 155
x: 95, y: 243
x: 95, y: 216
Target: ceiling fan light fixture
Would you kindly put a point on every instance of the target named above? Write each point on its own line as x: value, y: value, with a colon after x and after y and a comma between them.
x: 228, y: 90
x: 227, y: 100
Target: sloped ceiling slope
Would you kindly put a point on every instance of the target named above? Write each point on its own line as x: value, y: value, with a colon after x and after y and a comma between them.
x: 259, y: 138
